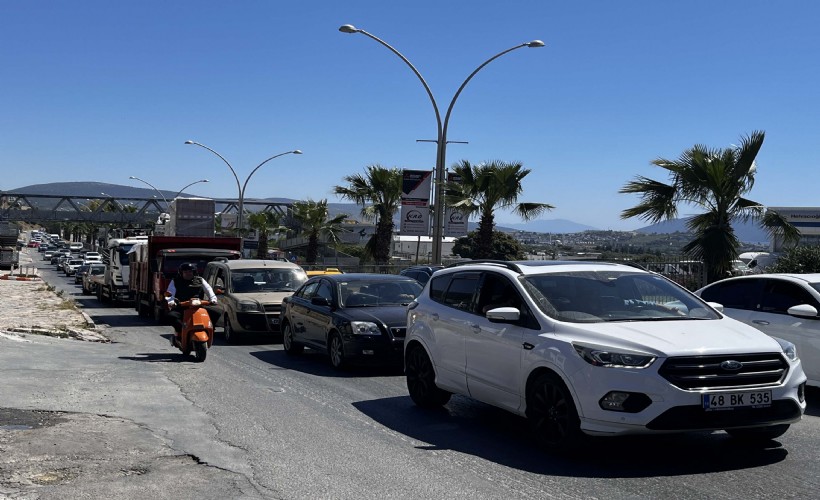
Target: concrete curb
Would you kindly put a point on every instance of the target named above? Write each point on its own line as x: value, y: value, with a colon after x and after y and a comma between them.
x: 10, y: 277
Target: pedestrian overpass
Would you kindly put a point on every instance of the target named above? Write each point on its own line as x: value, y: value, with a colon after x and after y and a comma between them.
x: 125, y: 211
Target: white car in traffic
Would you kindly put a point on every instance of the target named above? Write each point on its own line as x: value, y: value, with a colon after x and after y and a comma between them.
x: 782, y: 305
x: 596, y: 348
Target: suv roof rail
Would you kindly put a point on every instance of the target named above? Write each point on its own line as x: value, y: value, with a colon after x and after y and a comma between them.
x: 220, y: 259
x: 626, y: 263
x: 509, y: 265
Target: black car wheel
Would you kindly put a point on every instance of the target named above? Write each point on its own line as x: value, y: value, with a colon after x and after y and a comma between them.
x: 552, y: 414
x: 421, y: 380
x: 758, y: 434
x: 230, y: 335
x: 291, y: 347
x: 335, y: 349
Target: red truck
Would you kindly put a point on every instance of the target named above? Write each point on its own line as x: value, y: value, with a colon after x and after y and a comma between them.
x: 155, y: 262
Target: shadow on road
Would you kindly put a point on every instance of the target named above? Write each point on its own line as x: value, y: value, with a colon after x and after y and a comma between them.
x: 316, y: 363
x: 470, y: 427
x: 155, y: 357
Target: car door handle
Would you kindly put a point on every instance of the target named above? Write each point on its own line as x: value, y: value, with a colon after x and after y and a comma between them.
x: 475, y: 327
x: 760, y: 322
x: 527, y: 346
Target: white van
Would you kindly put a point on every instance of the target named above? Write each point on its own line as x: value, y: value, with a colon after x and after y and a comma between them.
x: 758, y: 261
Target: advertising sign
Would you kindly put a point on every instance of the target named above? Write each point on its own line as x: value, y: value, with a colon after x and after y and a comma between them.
x: 415, y: 202
x: 455, y: 221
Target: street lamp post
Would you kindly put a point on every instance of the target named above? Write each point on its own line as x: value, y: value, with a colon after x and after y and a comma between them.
x: 160, y: 192
x: 154, y: 187
x: 241, y: 188
x: 189, y: 185
x: 441, y: 140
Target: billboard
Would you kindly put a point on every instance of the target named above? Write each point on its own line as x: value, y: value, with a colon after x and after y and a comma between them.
x: 455, y: 221
x: 415, y: 202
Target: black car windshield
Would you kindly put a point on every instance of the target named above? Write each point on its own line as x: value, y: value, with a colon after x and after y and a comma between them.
x: 369, y: 293
x: 598, y: 296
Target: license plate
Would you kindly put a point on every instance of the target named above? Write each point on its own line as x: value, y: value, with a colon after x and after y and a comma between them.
x: 729, y: 400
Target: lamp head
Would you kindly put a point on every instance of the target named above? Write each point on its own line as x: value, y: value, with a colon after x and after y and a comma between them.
x: 535, y: 43
x: 189, y: 142
x: 348, y: 28
x: 297, y: 151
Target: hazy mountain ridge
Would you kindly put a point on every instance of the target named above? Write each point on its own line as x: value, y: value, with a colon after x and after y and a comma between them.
x: 746, y: 232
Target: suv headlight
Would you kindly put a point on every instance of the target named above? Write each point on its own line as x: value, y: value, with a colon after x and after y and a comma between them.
x: 789, y: 349
x: 364, y: 328
x: 249, y: 307
x: 613, y: 358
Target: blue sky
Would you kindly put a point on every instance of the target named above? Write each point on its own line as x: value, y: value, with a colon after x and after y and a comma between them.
x: 102, y: 90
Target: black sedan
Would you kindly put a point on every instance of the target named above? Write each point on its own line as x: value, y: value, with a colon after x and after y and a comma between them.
x: 356, y: 318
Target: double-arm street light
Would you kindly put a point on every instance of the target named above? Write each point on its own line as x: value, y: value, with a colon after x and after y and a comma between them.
x: 154, y: 187
x: 441, y: 140
x: 160, y: 192
x: 242, y: 187
x: 189, y: 185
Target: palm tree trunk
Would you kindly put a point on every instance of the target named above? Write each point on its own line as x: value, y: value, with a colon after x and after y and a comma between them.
x: 484, y: 243
x: 384, y: 236
x: 312, y: 248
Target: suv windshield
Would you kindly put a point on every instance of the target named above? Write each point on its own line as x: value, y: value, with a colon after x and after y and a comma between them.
x: 267, y: 280
x: 597, y: 296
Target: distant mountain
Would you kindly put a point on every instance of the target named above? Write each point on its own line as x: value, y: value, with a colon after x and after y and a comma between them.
x: 561, y: 226
x: 748, y: 232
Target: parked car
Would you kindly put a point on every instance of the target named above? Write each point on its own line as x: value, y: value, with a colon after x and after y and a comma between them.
x: 354, y: 318
x: 420, y: 273
x: 781, y: 305
x: 250, y: 293
x: 88, y: 286
x: 585, y: 348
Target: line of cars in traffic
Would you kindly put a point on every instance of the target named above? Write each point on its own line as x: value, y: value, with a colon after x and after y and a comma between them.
x: 78, y: 264
x: 577, y: 348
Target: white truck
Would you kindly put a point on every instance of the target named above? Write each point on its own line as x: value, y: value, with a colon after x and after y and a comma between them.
x: 112, y: 285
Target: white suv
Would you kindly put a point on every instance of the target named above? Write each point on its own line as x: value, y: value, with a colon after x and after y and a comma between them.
x: 596, y: 348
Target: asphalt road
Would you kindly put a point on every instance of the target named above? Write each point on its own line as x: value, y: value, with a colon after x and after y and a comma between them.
x: 252, y: 422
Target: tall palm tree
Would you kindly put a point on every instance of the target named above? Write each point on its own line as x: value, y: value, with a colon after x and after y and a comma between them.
x: 483, y: 189
x: 313, y: 216
x: 264, y: 223
x: 378, y: 191
x: 717, y: 181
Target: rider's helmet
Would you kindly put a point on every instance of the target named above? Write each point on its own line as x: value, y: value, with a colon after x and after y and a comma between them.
x: 187, y: 266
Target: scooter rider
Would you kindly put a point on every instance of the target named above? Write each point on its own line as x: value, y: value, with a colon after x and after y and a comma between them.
x: 184, y: 287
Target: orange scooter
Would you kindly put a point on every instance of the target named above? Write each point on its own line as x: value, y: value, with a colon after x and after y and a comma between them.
x: 197, y: 330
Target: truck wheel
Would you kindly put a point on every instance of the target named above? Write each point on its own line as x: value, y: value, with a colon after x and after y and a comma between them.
x: 156, y: 310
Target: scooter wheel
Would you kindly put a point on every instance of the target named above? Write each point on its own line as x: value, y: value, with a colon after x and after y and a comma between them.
x: 200, y: 351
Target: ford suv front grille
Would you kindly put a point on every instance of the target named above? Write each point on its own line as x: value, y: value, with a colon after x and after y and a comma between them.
x: 725, y: 371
